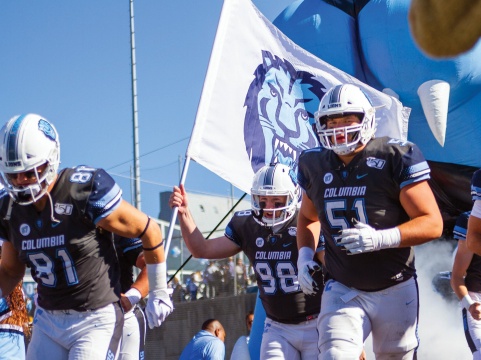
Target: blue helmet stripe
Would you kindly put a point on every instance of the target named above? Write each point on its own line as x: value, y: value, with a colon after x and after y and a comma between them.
x: 269, y: 177
x: 336, y: 94
x: 12, y: 154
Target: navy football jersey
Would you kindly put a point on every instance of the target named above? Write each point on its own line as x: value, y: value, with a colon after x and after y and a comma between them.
x: 73, y: 262
x: 274, y: 259
x: 366, y: 190
x: 128, y: 250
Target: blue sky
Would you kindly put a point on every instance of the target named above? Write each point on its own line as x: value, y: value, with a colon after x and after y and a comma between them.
x: 70, y: 62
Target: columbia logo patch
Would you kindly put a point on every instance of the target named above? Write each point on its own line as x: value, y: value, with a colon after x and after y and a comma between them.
x: 25, y: 229
x: 328, y: 178
x: 260, y: 242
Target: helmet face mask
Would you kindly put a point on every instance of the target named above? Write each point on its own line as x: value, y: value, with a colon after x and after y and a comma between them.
x: 30, y: 149
x: 342, y: 101
x: 274, y: 181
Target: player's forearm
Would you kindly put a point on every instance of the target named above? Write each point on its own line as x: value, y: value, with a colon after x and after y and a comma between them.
x: 420, y: 230
x: 458, y: 286
x: 473, y: 240
x: 308, y: 232
x: 141, y: 283
x: 193, y: 238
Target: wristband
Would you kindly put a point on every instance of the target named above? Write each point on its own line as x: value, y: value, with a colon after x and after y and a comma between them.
x: 466, y: 302
x: 133, y: 295
x: 305, y: 254
x: 157, y: 275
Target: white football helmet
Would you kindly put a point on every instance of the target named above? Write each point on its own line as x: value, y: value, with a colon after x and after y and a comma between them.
x: 28, y: 142
x: 343, y: 100
x: 274, y: 180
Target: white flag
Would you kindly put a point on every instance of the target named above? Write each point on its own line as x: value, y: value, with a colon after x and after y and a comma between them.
x: 260, y: 95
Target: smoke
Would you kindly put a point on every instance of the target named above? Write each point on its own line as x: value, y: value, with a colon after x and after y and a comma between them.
x: 441, y: 330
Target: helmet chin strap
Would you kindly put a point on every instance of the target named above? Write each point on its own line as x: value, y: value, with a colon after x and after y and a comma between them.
x: 52, y: 217
x: 259, y: 216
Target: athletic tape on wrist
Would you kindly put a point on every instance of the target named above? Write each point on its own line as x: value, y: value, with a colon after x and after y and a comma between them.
x: 466, y: 302
x: 391, y: 237
x: 133, y: 295
x: 306, y: 254
x: 157, y: 275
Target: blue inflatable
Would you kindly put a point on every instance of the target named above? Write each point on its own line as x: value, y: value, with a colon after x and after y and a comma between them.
x: 371, y: 40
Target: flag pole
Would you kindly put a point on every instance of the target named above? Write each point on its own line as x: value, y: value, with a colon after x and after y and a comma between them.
x: 175, y: 209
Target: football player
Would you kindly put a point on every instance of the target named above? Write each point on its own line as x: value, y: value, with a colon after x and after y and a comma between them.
x: 372, y: 201
x: 466, y: 273
x: 267, y: 235
x: 129, y: 252
x: 59, y: 224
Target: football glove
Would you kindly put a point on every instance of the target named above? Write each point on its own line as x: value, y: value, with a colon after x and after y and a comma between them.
x: 306, y: 266
x: 159, y: 306
x: 363, y: 238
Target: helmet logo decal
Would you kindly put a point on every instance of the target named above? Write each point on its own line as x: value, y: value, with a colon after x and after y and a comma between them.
x: 280, y: 106
x: 47, y: 129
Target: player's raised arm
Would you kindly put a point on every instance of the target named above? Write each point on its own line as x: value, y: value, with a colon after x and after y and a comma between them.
x: 217, y: 248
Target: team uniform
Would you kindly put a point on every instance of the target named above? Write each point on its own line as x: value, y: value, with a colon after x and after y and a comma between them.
x: 290, y: 328
x: 366, y: 289
x: 133, y: 335
x: 472, y: 280
x: 74, y: 264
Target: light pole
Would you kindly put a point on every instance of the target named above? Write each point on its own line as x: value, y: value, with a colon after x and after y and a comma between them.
x: 137, y: 201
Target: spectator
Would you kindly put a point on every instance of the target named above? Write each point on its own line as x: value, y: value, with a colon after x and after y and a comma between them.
x: 241, y: 350
x: 207, y: 344
x: 192, y: 288
x: 212, y: 278
x: 241, y: 276
x: 178, y: 291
